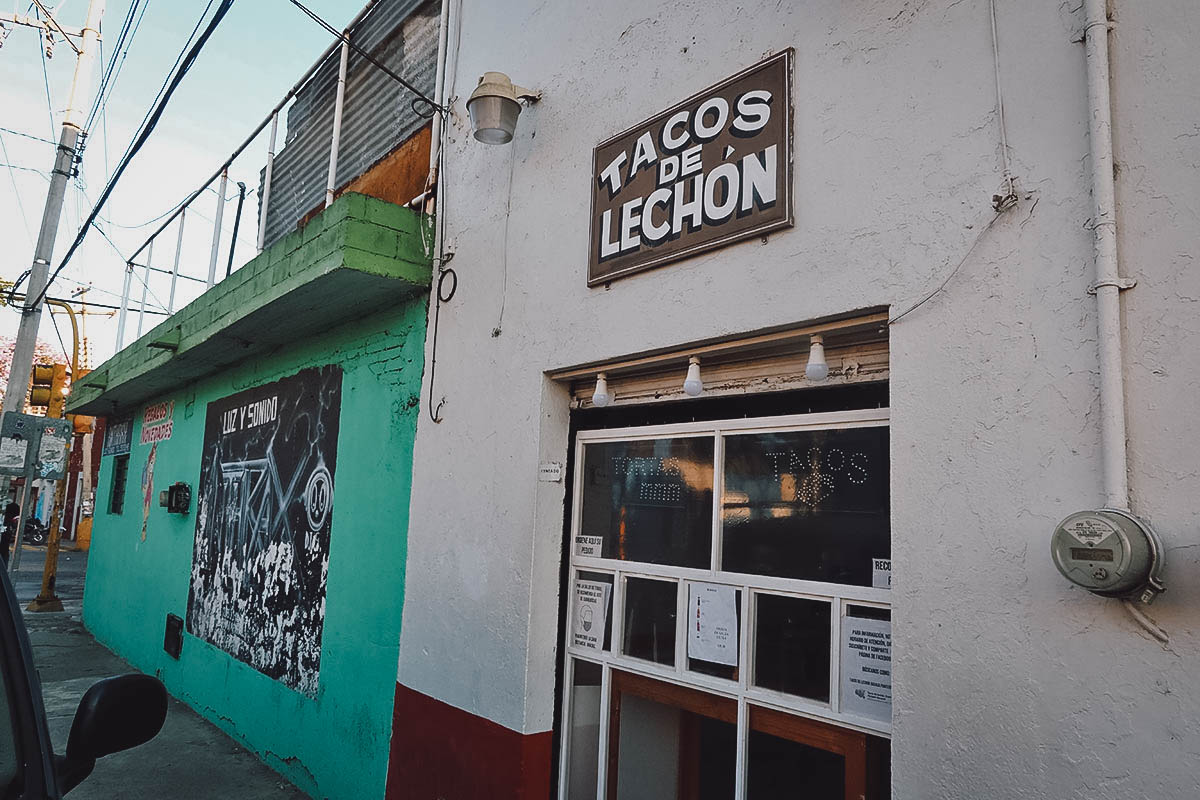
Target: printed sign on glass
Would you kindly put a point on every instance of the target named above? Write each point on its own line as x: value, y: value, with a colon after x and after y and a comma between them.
x: 263, y: 520
x: 866, y: 668
x: 591, y: 614
x: 712, y: 623
x: 715, y: 169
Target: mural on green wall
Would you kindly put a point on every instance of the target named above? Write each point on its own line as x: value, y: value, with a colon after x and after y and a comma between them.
x: 264, y: 512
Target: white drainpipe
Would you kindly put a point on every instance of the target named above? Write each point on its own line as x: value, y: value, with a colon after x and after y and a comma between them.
x: 1109, y: 283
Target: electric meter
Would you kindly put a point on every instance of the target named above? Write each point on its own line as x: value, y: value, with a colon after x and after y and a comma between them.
x: 1109, y: 552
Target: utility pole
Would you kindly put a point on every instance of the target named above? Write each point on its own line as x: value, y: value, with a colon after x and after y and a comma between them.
x: 64, y: 165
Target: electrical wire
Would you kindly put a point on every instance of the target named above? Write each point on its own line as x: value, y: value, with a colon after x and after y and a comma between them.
x: 951, y: 274
x: 41, y: 172
x: 27, y: 136
x: 16, y: 192
x: 129, y: 29
x: 61, y: 343
x: 421, y: 97
x: 46, y: 80
x: 182, y: 64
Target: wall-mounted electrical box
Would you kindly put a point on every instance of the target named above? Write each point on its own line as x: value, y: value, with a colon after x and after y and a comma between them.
x: 177, y: 498
x: 1109, y: 552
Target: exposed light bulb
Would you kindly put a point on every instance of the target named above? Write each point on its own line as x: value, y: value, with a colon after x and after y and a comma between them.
x: 692, y: 384
x: 601, y: 397
x: 816, y: 369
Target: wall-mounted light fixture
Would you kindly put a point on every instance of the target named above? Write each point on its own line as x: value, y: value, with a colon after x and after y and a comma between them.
x: 816, y: 369
x: 692, y: 385
x: 601, y: 397
x: 494, y: 107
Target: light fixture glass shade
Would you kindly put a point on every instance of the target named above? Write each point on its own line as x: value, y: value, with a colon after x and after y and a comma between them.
x: 601, y: 397
x: 816, y: 369
x: 692, y: 385
x: 494, y: 118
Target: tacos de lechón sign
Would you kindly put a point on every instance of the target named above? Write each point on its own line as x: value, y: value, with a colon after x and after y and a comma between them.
x: 713, y: 170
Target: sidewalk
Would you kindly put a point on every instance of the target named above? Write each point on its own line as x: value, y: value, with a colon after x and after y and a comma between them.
x: 189, y: 759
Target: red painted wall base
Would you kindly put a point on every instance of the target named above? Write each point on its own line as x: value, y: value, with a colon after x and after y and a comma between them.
x: 440, y: 752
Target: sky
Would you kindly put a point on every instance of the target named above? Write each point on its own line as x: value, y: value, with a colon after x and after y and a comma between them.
x: 256, y: 54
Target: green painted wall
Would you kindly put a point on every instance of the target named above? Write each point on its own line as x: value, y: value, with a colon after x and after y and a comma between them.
x: 335, y: 745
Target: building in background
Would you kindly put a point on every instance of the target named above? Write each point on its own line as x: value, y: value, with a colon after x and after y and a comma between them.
x: 251, y: 515
x: 781, y: 584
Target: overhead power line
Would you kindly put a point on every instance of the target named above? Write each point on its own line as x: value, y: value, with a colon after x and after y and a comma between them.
x: 116, y: 62
x: 420, y: 96
x: 27, y: 135
x: 183, y: 64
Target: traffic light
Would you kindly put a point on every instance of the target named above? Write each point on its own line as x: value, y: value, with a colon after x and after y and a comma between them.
x: 84, y: 424
x: 49, y: 388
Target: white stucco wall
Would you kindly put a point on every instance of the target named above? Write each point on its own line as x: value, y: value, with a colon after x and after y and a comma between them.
x: 1008, y: 682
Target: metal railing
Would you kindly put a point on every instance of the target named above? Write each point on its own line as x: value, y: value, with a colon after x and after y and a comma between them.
x: 221, y: 176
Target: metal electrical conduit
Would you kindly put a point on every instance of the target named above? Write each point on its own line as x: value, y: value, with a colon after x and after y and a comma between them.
x: 1109, y: 283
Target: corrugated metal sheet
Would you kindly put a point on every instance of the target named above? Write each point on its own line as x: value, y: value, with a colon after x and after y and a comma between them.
x: 377, y: 112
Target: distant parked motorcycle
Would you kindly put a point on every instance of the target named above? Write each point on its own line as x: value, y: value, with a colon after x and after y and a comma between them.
x: 35, y: 531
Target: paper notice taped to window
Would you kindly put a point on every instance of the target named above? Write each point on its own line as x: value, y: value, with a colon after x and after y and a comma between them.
x: 590, y: 620
x: 881, y: 573
x: 712, y: 623
x: 592, y: 546
x: 866, y: 668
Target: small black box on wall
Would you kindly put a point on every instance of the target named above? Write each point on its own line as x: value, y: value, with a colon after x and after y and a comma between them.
x: 173, y: 640
x: 176, y: 498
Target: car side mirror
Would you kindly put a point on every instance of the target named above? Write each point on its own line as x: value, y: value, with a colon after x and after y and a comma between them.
x: 115, y: 714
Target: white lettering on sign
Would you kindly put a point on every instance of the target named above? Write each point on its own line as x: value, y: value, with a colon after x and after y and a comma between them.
x: 251, y: 415
x: 866, y: 668
x: 702, y: 174
x: 881, y: 573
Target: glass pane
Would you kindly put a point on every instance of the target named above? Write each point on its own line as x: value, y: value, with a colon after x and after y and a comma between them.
x: 701, y: 635
x: 648, y: 501
x: 591, y: 623
x: 585, y: 731
x: 782, y: 769
x: 650, y: 620
x: 807, y: 504
x: 791, y: 650
x: 649, y: 751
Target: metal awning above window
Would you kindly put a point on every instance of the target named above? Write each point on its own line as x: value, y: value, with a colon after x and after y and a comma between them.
x: 856, y: 349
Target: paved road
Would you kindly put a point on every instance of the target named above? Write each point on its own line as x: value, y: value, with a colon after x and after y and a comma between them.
x: 190, y: 758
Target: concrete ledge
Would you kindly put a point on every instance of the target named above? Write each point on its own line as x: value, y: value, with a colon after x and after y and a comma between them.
x: 358, y: 256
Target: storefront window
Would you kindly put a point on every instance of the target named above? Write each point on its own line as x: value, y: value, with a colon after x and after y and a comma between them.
x: 807, y: 504
x: 648, y: 500
x: 739, y: 647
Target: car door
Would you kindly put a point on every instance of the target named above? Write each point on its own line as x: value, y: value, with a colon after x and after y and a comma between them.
x: 26, y: 755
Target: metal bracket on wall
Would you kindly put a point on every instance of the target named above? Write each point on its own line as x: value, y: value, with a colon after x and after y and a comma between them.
x: 1120, y: 283
x: 168, y: 341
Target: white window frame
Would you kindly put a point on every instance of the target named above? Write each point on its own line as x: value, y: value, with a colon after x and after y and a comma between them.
x: 839, y: 597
